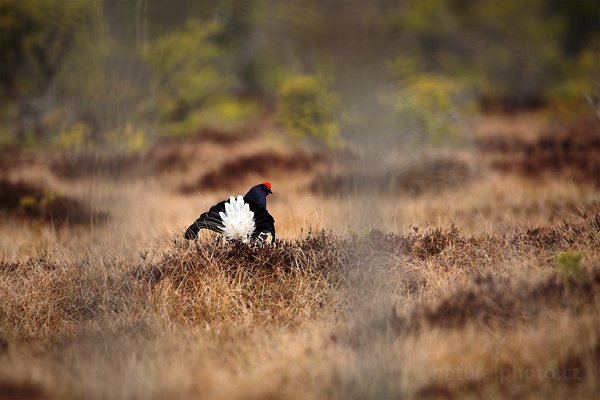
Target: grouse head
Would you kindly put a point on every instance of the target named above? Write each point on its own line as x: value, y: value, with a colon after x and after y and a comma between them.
x: 259, y: 193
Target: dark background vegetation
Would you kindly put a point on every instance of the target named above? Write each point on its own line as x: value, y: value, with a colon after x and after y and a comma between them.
x: 126, y: 73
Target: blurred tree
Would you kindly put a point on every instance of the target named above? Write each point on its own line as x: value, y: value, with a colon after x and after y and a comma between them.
x: 189, y: 71
x: 36, y: 40
x: 96, y: 62
x: 582, y: 23
x: 509, y: 49
x: 307, y: 108
x: 433, y: 108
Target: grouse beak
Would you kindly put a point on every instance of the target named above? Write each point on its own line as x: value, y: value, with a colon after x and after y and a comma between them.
x: 269, y: 191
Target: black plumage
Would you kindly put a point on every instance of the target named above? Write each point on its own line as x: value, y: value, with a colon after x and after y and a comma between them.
x: 256, y: 198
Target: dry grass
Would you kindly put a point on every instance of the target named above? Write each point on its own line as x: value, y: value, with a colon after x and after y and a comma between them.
x: 485, y: 287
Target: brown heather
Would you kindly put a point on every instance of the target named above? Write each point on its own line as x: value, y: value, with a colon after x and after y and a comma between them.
x: 488, y: 287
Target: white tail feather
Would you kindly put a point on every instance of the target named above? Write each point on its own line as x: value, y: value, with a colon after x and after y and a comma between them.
x: 238, y: 220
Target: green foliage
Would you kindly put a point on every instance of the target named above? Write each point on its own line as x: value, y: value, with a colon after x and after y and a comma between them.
x: 37, y: 37
x: 189, y: 72
x: 510, y: 50
x: 307, y: 108
x: 569, y: 264
x: 73, y: 138
x: 7, y: 139
x: 228, y: 114
x: 580, y: 78
x: 113, y: 65
x: 519, y: 56
x: 433, y: 107
x: 44, y: 46
x: 129, y: 138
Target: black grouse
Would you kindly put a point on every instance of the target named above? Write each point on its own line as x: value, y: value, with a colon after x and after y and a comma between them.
x: 239, y: 218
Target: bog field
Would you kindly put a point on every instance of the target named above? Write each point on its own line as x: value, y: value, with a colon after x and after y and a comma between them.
x: 472, y: 272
